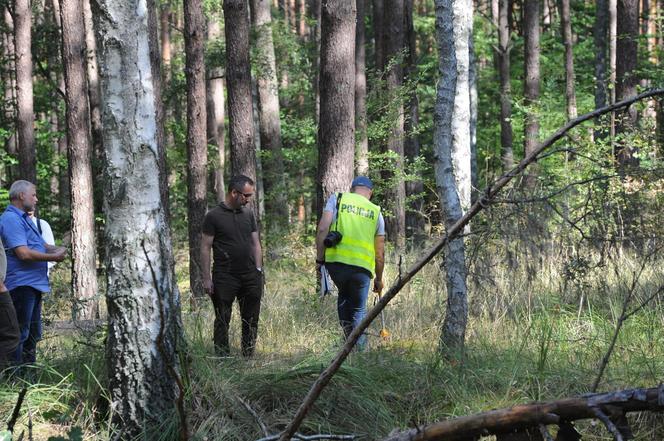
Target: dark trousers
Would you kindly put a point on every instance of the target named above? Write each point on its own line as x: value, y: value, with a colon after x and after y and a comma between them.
x: 9, y: 333
x: 247, y: 288
x: 27, y: 302
x: 353, y: 283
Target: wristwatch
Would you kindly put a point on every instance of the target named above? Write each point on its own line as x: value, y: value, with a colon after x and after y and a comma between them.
x: 259, y: 269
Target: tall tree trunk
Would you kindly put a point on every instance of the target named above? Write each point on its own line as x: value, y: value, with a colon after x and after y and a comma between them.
x: 157, y: 86
x: 566, y: 25
x: 626, y: 76
x: 414, y: 188
x: 452, y: 153
x: 301, y: 21
x: 142, y: 296
x: 94, y: 99
x: 336, y: 134
x: 600, y: 37
x: 394, y: 45
x: 238, y: 81
x: 361, y: 139
x: 10, y: 89
x: 165, y: 40
x: 171, y: 105
x: 27, y: 160
x: 316, y: 12
x: 60, y: 187
x: 504, y: 49
x: 274, y: 184
x: 84, y: 256
x: 613, y: 29
x: 379, y: 34
x: 473, y: 98
x: 292, y: 14
x: 531, y: 88
x: 194, y: 26
x: 215, y: 113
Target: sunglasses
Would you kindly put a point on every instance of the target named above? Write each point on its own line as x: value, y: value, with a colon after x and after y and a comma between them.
x: 246, y: 195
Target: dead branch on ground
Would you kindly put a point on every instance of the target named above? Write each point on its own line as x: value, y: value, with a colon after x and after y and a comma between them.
x: 609, y: 407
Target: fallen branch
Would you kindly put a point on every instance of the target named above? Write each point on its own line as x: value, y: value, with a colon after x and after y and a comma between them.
x: 254, y: 414
x: 533, y: 415
x: 17, y: 409
x: 489, y: 194
x: 300, y: 437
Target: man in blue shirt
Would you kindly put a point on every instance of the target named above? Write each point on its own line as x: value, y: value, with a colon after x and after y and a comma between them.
x: 27, y: 257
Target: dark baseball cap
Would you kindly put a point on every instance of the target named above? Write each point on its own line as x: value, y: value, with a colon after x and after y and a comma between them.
x: 362, y: 181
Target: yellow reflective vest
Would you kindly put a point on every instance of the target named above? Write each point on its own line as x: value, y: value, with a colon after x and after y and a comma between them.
x: 357, y: 219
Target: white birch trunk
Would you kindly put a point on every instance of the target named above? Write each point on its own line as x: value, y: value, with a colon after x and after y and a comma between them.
x: 452, y: 154
x: 142, y: 297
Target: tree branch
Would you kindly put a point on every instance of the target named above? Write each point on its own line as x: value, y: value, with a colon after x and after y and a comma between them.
x: 534, y: 415
x: 452, y: 232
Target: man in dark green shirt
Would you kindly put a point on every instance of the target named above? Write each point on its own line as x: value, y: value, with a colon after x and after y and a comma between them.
x: 230, y: 230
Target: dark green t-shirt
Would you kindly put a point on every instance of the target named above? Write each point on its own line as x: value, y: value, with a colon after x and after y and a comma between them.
x: 232, y: 248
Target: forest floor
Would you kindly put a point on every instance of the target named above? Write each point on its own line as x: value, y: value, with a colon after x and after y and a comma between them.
x: 533, y: 334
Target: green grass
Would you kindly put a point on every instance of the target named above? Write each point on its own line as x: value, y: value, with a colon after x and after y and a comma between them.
x: 530, y: 337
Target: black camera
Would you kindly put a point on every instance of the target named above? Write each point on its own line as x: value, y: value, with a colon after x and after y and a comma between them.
x: 332, y: 239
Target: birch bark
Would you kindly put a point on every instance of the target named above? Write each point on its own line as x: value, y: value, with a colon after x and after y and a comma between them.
x: 142, y: 296
x: 452, y: 155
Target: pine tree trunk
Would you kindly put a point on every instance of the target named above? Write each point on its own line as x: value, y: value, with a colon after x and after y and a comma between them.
x: 336, y: 130
x: 452, y: 153
x: 165, y: 40
x: 84, y: 256
x: 60, y: 187
x: 27, y: 160
x: 566, y: 25
x: 160, y: 112
x: 238, y: 82
x: 301, y: 14
x: 379, y: 34
x: 531, y: 88
x: 504, y: 49
x: 142, y: 296
x: 626, y: 75
x: 414, y: 188
x: 361, y: 139
x: 600, y: 36
x: 274, y: 185
x: 9, y: 90
x: 215, y: 113
x: 94, y: 100
x: 316, y: 12
x: 194, y: 25
x: 396, y: 193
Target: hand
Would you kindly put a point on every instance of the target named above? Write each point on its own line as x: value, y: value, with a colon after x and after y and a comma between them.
x: 378, y: 286
x: 59, y: 254
x: 207, y: 286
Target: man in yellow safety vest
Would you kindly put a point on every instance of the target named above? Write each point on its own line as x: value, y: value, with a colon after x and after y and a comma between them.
x: 351, y: 244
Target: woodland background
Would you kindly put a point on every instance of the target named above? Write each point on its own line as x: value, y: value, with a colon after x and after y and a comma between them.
x: 553, y: 290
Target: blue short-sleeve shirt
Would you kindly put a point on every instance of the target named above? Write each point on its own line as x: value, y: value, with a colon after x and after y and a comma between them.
x: 16, y: 229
